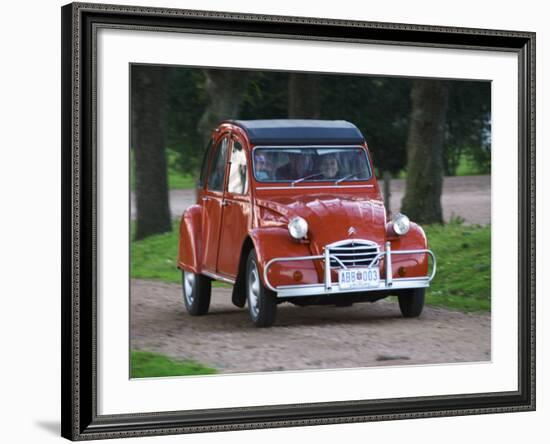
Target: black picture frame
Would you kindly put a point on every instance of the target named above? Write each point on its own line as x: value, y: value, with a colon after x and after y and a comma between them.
x: 80, y: 420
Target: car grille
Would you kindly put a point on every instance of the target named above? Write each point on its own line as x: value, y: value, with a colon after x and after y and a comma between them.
x: 361, y: 253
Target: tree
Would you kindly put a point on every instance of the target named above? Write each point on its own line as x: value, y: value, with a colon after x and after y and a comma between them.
x: 380, y: 107
x: 468, y: 126
x: 422, y: 200
x: 304, y: 96
x: 149, y: 103
x: 225, y: 90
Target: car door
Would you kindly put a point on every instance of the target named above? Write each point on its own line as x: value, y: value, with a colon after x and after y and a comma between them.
x: 212, y: 200
x: 237, y: 215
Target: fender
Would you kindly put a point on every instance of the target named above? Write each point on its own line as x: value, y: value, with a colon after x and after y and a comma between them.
x: 415, y: 239
x: 190, y: 242
x: 272, y: 242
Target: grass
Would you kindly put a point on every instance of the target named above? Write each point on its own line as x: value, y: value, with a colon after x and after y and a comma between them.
x: 155, y: 257
x: 463, y: 279
x: 176, y: 179
x: 466, y: 167
x: 463, y: 253
x: 146, y: 364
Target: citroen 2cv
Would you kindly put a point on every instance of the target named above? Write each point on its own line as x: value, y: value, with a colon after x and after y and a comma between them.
x: 290, y: 211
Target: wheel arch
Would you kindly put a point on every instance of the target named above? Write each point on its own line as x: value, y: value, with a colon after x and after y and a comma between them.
x: 239, y: 291
x: 190, y: 239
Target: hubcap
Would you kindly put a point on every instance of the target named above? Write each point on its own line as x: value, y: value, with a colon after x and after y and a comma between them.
x: 189, y: 285
x: 254, y: 292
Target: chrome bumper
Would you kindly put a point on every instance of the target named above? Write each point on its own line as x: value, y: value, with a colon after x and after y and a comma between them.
x: 328, y: 287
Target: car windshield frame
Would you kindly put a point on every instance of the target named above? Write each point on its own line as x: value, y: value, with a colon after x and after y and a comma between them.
x: 298, y: 181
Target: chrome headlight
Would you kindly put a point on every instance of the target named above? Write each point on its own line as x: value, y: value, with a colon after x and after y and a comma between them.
x: 401, y: 224
x: 297, y: 227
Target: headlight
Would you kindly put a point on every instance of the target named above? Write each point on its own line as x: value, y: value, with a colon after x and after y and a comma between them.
x: 297, y: 227
x: 401, y: 224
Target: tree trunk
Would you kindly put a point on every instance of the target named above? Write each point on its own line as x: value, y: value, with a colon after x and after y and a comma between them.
x: 226, y: 90
x: 149, y: 103
x: 387, y: 192
x: 422, y: 200
x: 304, y: 96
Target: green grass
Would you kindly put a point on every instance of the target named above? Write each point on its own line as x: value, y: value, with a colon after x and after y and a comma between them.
x: 155, y: 257
x: 146, y: 364
x: 176, y: 179
x: 463, y: 279
x: 468, y: 167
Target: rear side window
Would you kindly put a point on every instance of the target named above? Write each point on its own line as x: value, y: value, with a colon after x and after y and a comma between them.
x: 238, y: 177
x: 204, y: 167
x: 217, y: 172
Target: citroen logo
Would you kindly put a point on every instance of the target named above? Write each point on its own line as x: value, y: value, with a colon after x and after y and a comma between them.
x: 351, y: 231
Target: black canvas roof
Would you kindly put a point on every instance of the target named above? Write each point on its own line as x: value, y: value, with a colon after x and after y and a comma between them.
x: 301, y: 132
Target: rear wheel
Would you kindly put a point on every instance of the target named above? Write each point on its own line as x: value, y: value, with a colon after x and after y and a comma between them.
x: 262, y: 302
x: 196, y: 293
x: 411, y: 302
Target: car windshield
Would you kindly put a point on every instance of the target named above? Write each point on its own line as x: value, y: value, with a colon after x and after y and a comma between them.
x: 307, y: 164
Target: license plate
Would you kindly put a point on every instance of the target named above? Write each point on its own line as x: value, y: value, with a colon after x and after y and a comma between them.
x: 359, y: 277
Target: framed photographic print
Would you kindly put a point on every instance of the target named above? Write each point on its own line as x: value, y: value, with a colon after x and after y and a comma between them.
x: 279, y: 221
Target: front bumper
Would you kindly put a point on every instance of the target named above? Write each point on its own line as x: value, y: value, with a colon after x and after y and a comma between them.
x: 328, y: 287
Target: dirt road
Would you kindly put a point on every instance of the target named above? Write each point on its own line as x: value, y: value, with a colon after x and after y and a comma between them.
x: 362, y: 335
x: 468, y: 197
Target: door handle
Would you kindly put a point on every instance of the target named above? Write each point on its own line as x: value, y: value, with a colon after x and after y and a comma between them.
x: 204, y: 198
x: 226, y: 203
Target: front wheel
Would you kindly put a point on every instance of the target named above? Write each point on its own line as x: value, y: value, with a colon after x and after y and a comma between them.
x: 262, y: 302
x: 196, y: 293
x: 411, y: 302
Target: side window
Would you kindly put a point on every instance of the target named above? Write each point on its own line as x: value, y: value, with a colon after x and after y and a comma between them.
x: 204, y: 166
x: 238, y: 177
x: 215, y: 181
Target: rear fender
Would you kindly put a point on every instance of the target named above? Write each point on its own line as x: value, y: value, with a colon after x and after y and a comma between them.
x: 190, y: 241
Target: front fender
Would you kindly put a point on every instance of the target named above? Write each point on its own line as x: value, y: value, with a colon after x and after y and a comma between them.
x: 412, y: 265
x: 275, y: 242
x: 190, y: 241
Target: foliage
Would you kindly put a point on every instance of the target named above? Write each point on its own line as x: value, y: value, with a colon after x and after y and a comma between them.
x: 187, y: 103
x: 147, y: 365
x: 468, y: 127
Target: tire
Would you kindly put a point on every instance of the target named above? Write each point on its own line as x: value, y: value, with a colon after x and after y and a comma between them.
x: 196, y: 293
x: 411, y: 302
x: 262, y: 302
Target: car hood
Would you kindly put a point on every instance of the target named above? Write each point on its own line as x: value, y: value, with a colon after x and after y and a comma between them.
x: 332, y: 217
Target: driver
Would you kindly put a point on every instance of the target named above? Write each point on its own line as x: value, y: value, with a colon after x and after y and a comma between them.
x: 298, y: 166
x: 330, y: 167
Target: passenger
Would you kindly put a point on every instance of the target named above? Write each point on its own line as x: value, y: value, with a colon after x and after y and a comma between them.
x: 330, y: 168
x: 264, y: 167
x: 298, y: 166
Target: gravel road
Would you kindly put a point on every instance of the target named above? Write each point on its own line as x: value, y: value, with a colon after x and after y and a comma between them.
x: 362, y: 335
x: 468, y: 197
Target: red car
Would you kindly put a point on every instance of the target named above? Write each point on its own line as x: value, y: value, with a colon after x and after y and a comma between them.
x: 290, y: 211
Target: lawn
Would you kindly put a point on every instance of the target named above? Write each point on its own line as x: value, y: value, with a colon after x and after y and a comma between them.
x: 177, y: 180
x: 463, y: 253
x: 463, y: 279
x: 147, y: 364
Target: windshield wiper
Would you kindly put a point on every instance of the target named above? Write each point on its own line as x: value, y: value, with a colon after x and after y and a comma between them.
x: 347, y: 177
x: 294, y: 182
